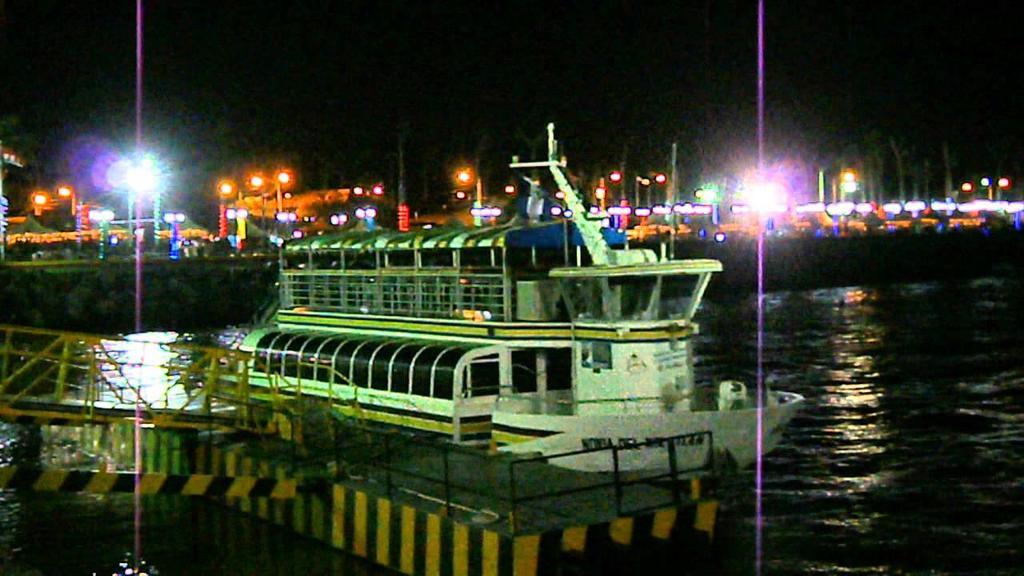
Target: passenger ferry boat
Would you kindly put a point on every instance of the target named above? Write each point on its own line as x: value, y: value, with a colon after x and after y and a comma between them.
x: 512, y: 335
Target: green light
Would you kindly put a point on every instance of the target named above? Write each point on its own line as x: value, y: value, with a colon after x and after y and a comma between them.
x: 708, y: 193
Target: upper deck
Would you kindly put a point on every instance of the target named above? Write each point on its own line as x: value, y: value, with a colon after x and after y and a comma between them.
x: 501, y: 274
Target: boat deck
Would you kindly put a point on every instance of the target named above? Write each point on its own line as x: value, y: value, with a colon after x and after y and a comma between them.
x: 502, y: 492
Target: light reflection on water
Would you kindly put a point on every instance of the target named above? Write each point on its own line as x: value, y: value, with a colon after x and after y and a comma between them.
x: 180, y: 535
x: 907, y: 456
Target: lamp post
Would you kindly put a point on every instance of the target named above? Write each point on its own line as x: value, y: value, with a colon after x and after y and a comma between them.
x: 239, y: 215
x: 174, y: 246
x: 102, y: 218
x: 1004, y: 184
x: 466, y: 175
x: 141, y: 178
x: 256, y: 182
x: 67, y: 192
x: 225, y: 191
x: 282, y: 178
x: 848, y: 186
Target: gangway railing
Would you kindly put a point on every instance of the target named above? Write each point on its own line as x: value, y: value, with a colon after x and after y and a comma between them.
x: 91, y: 378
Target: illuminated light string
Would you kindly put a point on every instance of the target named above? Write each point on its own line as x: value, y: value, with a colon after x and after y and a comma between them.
x: 492, y: 211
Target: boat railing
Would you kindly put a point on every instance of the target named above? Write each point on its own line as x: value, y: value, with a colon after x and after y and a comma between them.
x: 442, y: 293
x: 526, y: 492
x: 555, y: 402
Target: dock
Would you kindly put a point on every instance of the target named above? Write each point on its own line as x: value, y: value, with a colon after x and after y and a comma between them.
x: 407, y: 502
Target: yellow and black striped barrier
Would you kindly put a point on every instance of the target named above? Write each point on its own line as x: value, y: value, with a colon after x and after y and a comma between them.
x: 40, y: 480
x: 417, y: 538
x: 411, y: 539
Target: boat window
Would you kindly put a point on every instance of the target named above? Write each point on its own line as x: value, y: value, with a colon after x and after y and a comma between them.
x: 639, y: 297
x: 328, y: 260
x: 295, y: 261
x: 323, y: 358
x: 400, y: 364
x: 481, y: 377
x: 343, y: 361
x: 524, y: 371
x: 265, y: 340
x: 437, y: 259
x: 476, y: 258
x: 361, y: 364
x: 381, y: 359
x: 422, y: 370
x: 307, y: 357
x: 596, y: 354
x: 401, y: 258
x: 269, y: 351
x: 289, y: 366
x: 676, y: 294
x: 444, y: 373
x: 559, y: 369
x: 360, y: 261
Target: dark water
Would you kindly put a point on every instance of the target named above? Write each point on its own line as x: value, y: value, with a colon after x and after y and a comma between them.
x: 908, y: 459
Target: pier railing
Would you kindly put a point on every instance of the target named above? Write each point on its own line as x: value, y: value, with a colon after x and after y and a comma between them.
x: 528, y: 493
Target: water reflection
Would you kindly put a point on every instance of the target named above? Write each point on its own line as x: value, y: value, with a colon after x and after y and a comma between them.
x: 906, y: 458
x: 180, y: 535
x: 141, y: 367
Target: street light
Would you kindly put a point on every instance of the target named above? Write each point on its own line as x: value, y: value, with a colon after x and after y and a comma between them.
x: 39, y: 202
x: 282, y: 178
x: 465, y: 176
x: 226, y: 189
x: 174, y: 246
x: 68, y: 193
x: 848, y: 184
x: 139, y: 176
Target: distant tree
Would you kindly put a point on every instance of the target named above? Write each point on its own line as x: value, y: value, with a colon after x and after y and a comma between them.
x: 14, y: 136
x: 1001, y: 150
x: 874, y: 166
x: 947, y: 162
x: 924, y: 189
x: 900, y: 153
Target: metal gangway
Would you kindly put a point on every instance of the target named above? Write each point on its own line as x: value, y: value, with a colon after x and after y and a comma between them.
x: 54, y: 377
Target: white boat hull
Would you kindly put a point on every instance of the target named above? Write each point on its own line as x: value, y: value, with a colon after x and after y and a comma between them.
x: 703, y: 438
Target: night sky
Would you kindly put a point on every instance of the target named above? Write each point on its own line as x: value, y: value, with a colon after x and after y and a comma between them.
x: 328, y: 86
